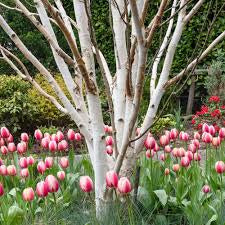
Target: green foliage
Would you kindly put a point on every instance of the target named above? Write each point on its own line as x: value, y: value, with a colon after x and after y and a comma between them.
x: 162, y: 124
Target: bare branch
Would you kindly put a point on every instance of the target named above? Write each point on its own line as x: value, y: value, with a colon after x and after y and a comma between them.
x: 194, y: 62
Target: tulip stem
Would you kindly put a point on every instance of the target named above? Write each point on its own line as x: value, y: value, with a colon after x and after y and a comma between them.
x: 32, y: 216
x: 55, y: 206
x: 221, y: 193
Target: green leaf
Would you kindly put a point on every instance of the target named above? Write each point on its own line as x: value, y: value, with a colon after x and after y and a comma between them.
x: 160, y: 220
x: 161, y: 194
x: 212, y: 219
x: 15, y: 211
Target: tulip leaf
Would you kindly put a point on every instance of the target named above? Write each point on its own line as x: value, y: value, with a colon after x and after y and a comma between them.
x: 212, y: 219
x: 38, y: 210
x: 161, y: 194
x: 13, y: 191
x: 15, y: 212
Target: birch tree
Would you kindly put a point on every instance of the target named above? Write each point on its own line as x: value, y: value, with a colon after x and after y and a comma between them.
x: 133, y: 39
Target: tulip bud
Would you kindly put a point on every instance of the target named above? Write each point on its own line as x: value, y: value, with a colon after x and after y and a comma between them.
x: 61, y: 175
x: 1, y: 189
x: 109, y: 140
x: 109, y: 150
x: 205, y: 128
x: 28, y: 194
x: 71, y: 135
x: 42, y: 189
x: 124, y: 185
x: 45, y: 142
x: 222, y: 132
x: 11, y: 147
x: 10, y: 138
x: 192, y: 148
x: 4, y: 132
x: 181, y: 152
x: 54, y: 137
x: 167, y: 149
x: 64, y: 144
x: 183, y: 136
x: 4, y: 150
x: 64, y: 162
x: 41, y: 167
x: 3, y: 170
x: 24, y: 173
x: 52, y: 146
x: 212, y: 130
x: 175, y: 152
x: 11, y: 170
x: 86, y: 184
x: 150, y: 142
x: 49, y: 162
x: 149, y: 153
x: 190, y: 155
x: 197, y: 157
x: 196, y: 143
x: 216, y: 141
x: 111, y: 179
x: 38, y: 135
x: 156, y: 149
x: 167, y: 171
x: 206, y: 137
x: 176, y: 167
x: 47, y: 135
x: 197, y: 135
x: 23, y: 162
x: 2, y: 142
x: 220, y: 167
x: 173, y: 134
x: 30, y: 160
x: 185, y: 162
x: 24, y: 137
x: 164, y: 140
x: 106, y: 129
x: 162, y: 157
x: 77, y: 137
x: 206, y: 189
x: 52, y: 183
x: 60, y: 135
x: 21, y: 148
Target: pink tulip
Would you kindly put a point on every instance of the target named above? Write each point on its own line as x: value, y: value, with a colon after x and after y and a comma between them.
x: 86, y: 184
x: 192, y: 148
x: 41, y: 167
x: 167, y: 149
x: 42, y: 189
x: 24, y: 137
x: 64, y: 162
x: 54, y: 137
x: 156, y: 149
x: 1, y: 189
x: 49, y: 162
x: 220, y: 167
x: 23, y: 162
x: 28, y: 194
x: 167, y: 171
x: 52, y: 146
x: 38, y: 135
x: 71, y: 135
x: 173, y: 134
x: 24, y: 173
x: 111, y: 179
x: 162, y: 157
x: 181, y: 152
x: 167, y: 133
x: 77, y: 137
x: 109, y: 140
x: 109, y: 150
x: 150, y: 142
x: 196, y: 143
x: 106, y: 128
x: 205, y: 128
x: 60, y: 135
x: 216, y: 141
x: 4, y: 132
x: 64, y: 144
x: 176, y: 167
x: 10, y: 138
x: 197, y: 157
x: 47, y: 135
x: 164, y: 140
x: 149, y: 153
x: 30, y: 160
x: 206, y: 137
x: 124, y: 185
x: 45, y: 142
x: 222, y: 132
x: 206, y: 189
x: 2, y: 142
x: 3, y: 170
x: 175, y: 152
x: 197, y: 135
x: 212, y: 130
x: 61, y: 175
x: 184, y: 162
x: 11, y: 147
x: 52, y: 183
x: 4, y: 150
x: 183, y: 136
x: 11, y: 170
x: 190, y: 155
x: 21, y: 148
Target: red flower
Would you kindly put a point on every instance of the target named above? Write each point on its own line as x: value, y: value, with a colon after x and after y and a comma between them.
x: 222, y: 107
x: 193, y: 121
x: 199, y: 126
x: 214, y: 99
x: 216, y: 113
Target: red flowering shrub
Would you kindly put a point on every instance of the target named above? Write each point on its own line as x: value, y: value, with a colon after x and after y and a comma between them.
x: 213, y: 112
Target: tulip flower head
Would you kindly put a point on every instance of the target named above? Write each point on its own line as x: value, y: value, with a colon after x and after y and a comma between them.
x: 11, y: 147
x: 49, y: 162
x: 167, y: 171
x: 173, y: 134
x: 28, y: 194
x: 23, y: 162
x: 222, y: 132
x: 71, y: 135
x: 24, y: 173
x: 86, y: 184
x: 24, y: 137
x: 64, y: 162
x: 21, y: 148
x: 124, y: 185
x: 1, y: 189
x: 11, y: 170
x: 206, y: 189
x: 185, y: 162
x: 38, y: 135
x: 52, y: 183
x: 3, y: 170
x: 220, y: 167
x: 111, y: 179
x: 149, y: 153
x: 109, y: 150
x: 164, y: 140
x: 60, y: 135
x: 150, y: 142
x: 52, y: 146
x: 30, y: 160
x: 109, y: 140
x: 61, y: 175
x: 176, y: 167
x: 77, y: 137
x: 41, y: 167
x: 42, y: 189
x: 45, y: 142
x: 4, y: 150
x: 4, y: 132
